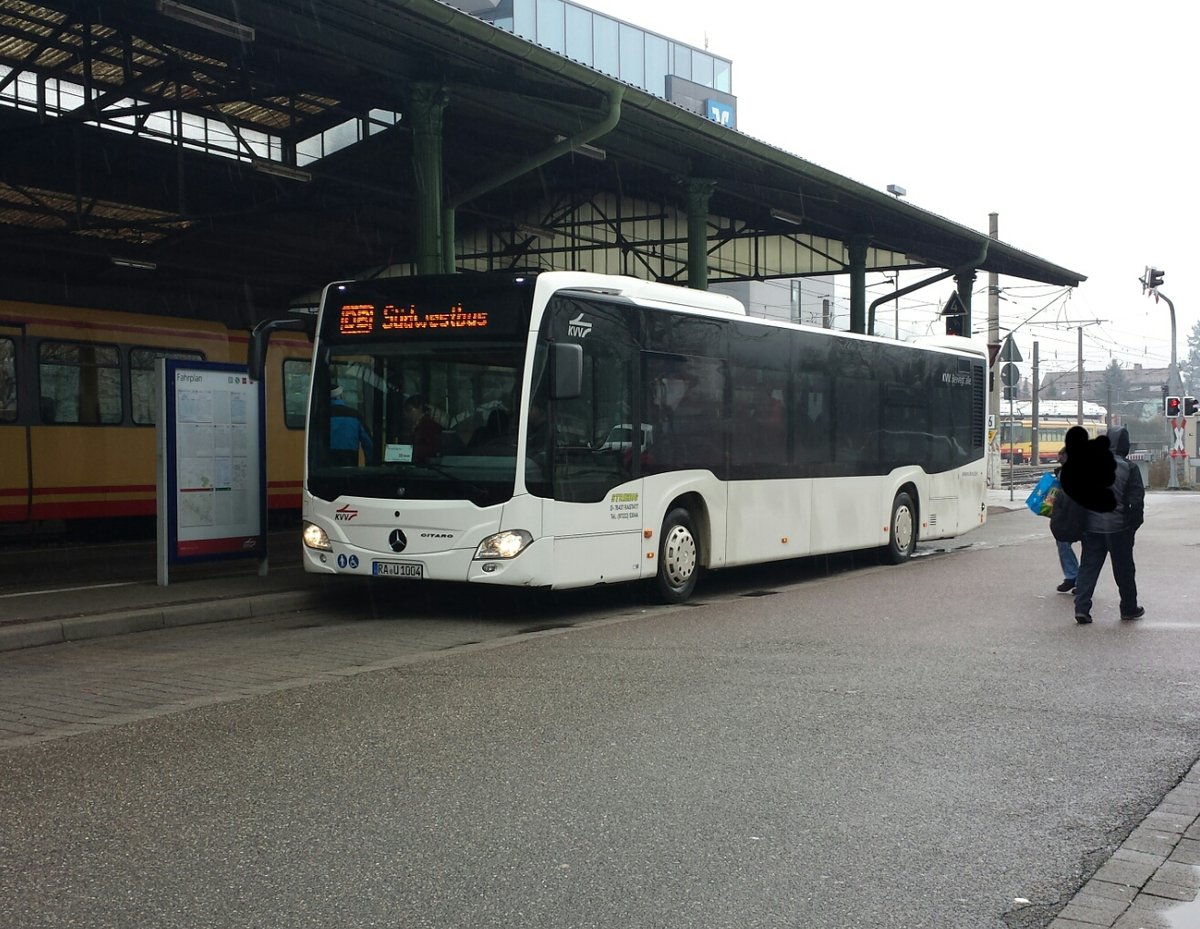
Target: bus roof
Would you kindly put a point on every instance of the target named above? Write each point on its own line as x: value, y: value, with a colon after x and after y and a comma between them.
x: 640, y: 291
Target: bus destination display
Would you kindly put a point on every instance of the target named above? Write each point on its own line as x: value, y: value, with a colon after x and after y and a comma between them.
x: 370, y: 319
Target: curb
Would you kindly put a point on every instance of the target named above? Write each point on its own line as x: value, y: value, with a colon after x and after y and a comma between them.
x: 78, y: 628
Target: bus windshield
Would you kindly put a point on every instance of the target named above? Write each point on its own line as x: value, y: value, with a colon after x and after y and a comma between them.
x: 416, y: 388
x: 416, y: 421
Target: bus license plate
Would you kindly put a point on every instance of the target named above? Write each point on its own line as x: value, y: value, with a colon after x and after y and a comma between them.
x: 396, y: 569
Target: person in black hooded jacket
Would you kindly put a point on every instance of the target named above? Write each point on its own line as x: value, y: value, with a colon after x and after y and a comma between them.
x: 1111, y: 535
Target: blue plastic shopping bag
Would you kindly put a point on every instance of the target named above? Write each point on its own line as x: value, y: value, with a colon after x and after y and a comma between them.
x: 1041, y: 499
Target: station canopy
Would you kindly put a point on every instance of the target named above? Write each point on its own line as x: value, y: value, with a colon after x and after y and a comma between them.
x: 226, y: 158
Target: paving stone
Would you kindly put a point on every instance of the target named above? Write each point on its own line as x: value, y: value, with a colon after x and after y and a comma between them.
x: 1184, y: 875
x: 1159, y: 888
x: 1152, y: 841
x: 1129, y: 873
x: 1167, y: 822
x: 1181, y: 809
x: 1186, y: 852
x: 1109, y: 891
x: 1136, y: 857
x: 1143, y: 920
x: 1089, y: 908
x: 1148, y: 912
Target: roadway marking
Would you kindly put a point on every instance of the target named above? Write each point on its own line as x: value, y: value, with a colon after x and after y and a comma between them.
x: 66, y: 590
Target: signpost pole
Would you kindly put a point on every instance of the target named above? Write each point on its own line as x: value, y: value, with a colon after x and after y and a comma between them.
x: 1010, y: 375
x: 162, y: 542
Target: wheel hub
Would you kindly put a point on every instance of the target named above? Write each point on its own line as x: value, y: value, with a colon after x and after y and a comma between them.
x: 679, y: 556
x: 904, y: 528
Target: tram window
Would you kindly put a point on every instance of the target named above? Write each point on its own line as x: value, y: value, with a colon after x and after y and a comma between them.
x: 143, y: 391
x: 80, y: 382
x: 8, y: 380
x: 295, y: 391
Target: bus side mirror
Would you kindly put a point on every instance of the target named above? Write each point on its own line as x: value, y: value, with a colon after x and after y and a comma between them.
x: 260, y: 337
x: 568, y: 371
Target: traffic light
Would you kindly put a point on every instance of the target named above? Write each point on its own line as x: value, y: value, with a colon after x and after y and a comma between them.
x: 1154, y: 278
x: 1189, y: 406
x: 1174, y: 406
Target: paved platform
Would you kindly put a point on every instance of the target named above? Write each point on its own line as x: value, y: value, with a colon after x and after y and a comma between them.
x: 53, y: 592
x: 88, y: 607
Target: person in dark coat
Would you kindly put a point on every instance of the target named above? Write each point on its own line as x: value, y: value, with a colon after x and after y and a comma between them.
x: 1066, y: 551
x: 1111, y: 534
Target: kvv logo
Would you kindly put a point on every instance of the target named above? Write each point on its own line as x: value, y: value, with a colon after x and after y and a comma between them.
x: 579, y: 327
x: 345, y: 514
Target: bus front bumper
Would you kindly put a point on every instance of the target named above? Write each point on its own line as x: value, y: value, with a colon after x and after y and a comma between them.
x: 531, y: 568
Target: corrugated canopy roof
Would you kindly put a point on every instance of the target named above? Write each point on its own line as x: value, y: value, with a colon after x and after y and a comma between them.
x: 133, y: 133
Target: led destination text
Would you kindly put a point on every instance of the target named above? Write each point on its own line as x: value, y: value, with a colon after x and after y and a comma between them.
x: 367, y: 318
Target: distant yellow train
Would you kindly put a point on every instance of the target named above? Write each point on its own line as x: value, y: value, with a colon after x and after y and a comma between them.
x: 1055, y: 417
x: 78, y: 406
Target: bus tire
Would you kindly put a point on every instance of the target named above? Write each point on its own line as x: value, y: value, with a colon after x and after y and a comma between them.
x: 902, y: 536
x: 679, y: 564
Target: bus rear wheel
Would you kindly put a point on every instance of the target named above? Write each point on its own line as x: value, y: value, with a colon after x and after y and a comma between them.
x: 678, y: 557
x: 902, y: 537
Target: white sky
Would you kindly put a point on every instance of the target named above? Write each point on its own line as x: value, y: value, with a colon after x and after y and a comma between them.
x: 1074, y: 121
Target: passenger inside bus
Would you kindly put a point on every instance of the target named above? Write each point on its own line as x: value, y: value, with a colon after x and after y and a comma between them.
x: 346, y: 431
x: 424, y: 431
x: 495, y: 431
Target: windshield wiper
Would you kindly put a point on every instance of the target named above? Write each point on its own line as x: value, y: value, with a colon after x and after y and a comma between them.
x: 477, y: 491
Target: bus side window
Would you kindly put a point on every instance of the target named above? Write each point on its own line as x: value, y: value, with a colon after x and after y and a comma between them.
x: 584, y: 470
x: 814, y: 433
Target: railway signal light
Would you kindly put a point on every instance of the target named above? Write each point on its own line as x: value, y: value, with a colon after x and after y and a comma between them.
x: 1173, y: 407
x: 1189, y: 406
x: 1154, y: 278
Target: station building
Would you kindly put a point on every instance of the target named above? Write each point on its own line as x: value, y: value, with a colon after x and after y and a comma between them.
x: 693, y: 78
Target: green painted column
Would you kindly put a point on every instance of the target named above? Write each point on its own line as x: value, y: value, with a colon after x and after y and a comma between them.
x: 856, y: 246
x: 964, y: 282
x: 428, y: 105
x: 699, y: 192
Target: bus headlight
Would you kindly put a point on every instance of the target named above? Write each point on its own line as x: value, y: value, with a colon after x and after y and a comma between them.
x: 507, y: 544
x: 314, y: 537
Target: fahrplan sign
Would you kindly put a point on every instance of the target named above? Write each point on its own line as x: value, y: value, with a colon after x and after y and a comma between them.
x: 212, y: 481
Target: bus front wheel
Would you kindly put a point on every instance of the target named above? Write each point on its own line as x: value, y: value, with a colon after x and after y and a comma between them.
x: 902, y: 538
x: 678, y: 557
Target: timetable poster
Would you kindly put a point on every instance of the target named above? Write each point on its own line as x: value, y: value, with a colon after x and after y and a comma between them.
x: 216, y: 454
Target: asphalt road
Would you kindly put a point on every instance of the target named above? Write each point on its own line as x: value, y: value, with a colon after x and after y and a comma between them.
x: 821, y: 744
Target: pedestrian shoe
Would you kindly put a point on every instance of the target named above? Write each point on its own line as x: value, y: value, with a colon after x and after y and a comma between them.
x: 1066, y: 586
x: 1136, y: 614
x: 1083, y: 618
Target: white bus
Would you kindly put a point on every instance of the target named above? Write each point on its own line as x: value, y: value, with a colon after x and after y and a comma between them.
x: 489, y: 402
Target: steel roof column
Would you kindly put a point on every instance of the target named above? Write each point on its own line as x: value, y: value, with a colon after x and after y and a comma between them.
x: 856, y: 247
x: 964, y: 281
x: 699, y: 192
x: 428, y: 103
